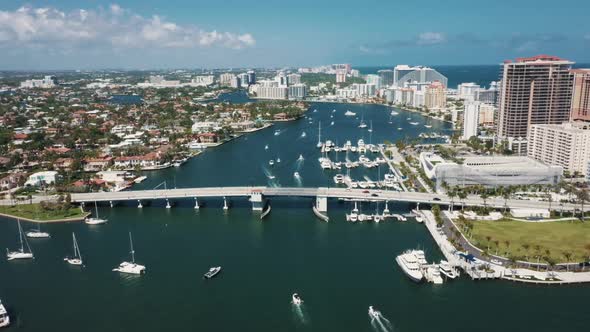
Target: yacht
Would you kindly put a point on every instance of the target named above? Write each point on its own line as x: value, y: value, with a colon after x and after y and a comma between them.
x: 296, y: 300
x: 434, y: 275
x: 21, y: 253
x: 428, y: 126
x: 420, y: 257
x: 212, y: 272
x: 96, y: 220
x: 338, y: 178
x: 77, y: 258
x: 349, y: 113
x: 447, y: 270
x: 4, y: 319
x: 414, y: 123
x: 37, y: 233
x: 130, y: 267
x: 373, y: 313
x: 409, y: 265
x: 394, y: 113
x: 271, y: 162
x: 300, y: 157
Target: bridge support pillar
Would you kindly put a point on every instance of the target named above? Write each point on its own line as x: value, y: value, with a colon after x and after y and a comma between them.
x: 225, y: 206
x: 257, y: 201
x: 321, y: 203
x: 139, y: 206
x: 196, y: 203
x: 168, y: 206
x: 111, y: 203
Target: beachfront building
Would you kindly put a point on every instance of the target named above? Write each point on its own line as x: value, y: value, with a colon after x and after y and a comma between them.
x: 375, y: 80
x: 46, y: 82
x: 470, y: 119
x: 386, y: 77
x: 581, y: 95
x: 405, y: 74
x: 566, y: 145
x: 468, y: 91
x: 435, y: 96
x: 489, y: 171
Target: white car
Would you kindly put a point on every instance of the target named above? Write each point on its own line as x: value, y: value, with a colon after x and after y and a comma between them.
x: 497, y: 262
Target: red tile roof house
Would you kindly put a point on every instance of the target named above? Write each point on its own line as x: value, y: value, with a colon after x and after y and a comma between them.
x: 63, y: 163
x: 207, y: 137
x: 11, y: 181
x: 97, y: 164
x: 151, y: 160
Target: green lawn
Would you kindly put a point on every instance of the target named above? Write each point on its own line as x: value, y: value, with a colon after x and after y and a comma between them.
x: 34, y: 211
x: 525, y: 240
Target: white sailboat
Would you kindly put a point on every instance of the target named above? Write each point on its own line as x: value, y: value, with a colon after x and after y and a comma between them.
x: 4, y: 319
x: 37, y: 233
x: 371, y: 129
x: 21, y: 253
x: 319, y: 145
x: 77, y: 258
x: 363, y: 124
x: 96, y: 220
x: 130, y: 267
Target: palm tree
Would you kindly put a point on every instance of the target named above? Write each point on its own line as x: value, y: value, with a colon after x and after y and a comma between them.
x: 583, y: 196
x: 452, y: 193
x: 484, y: 196
x: 507, y: 243
x: 567, y: 256
x: 462, y: 195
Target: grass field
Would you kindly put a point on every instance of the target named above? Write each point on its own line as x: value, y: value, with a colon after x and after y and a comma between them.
x: 35, y: 212
x: 556, y: 242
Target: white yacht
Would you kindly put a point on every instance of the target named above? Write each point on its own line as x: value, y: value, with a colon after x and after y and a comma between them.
x: 434, y: 275
x: 96, y: 220
x: 212, y: 272
x: 296, y: 300
x: 130, y: 267
x: 349, y: 113
x: 447, y: 270
x: 37, y: 233
x: 420, y: 256
x: 77, y: 258
x: 409, y: 265
x: 21, y: 253
x: 374, y: 313
x: 4, y: 319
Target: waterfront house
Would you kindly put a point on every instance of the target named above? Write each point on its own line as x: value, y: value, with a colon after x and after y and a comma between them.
x: 11, y: 181
x: 207, y: 137
x: 41, y: 178
x: 96, y: 164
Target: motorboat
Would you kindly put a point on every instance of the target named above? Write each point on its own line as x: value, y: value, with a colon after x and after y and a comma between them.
x: 400, y: 128
x: 213, y: 271
x: 447, y: 270
x: 374, y: 313
x: 300, y: 157
x: 394, y: 113
x: 95, y: 220
x: 271, y: 162
x: 130, y: 267
x: 296, y: 299
x: 266, y: 147
x: 428, y: 126
x: 414, y: 123
x: 420, y: 256
x: 277, y: 132
x: 296, y: 174
x: 354, y: 217
x: 338, y: 178
x: 4, y: 319
x: 434, y: 275
x: 419, y: 219
x: 77, y: 258
x: 24, y: 252
x: 37, y: 233
x: 349, y: 113
x: 410, y: 266
x: 278, y: 160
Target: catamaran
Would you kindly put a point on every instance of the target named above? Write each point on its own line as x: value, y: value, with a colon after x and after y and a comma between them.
x: 130, y: 267
x: 4, y: 319
x: 77, y: 258
x: 96, y: 220
x: 21, y: 253
x: 37, y: 234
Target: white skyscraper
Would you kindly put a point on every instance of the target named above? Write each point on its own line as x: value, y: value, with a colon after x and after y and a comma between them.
x: 470, y: 119
x: 468, y: 91
x: 374, y: 79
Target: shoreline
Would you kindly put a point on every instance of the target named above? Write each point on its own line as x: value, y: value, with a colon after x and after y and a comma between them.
x: 42, y: 221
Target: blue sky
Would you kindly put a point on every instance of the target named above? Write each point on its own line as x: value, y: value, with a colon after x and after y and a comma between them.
x: 141, y: 34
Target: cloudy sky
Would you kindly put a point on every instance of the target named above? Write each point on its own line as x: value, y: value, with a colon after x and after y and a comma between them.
x: 92, y: 34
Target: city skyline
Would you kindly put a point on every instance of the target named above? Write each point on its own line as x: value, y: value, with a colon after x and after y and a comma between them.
x: 53, y: 35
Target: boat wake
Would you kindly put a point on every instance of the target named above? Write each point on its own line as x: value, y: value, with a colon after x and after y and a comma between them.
x: 303, y: 134
x: 272, y: 180
x: 381, y: 324
x: 300, y: 314
x: 298, y: 181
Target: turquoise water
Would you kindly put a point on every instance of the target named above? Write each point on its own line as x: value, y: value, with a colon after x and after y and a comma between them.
x: 338, y: 268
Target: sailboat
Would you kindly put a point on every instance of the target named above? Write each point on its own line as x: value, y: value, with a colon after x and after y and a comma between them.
x: 371, y: 129
x: 21, y: 253
x: 130, y: 267
x: 363, y: 124
x: 319, y: 145
x: 37, y: 234
x: 96, y: 220
x: 77, y: 258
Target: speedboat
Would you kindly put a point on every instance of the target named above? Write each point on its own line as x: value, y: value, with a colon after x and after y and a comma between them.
x: 447, y: 270
x: 414, y: 123
x: 95, y: 221
x: 271, y: 177
x: 296, y: 174
x: 212, y: 272
x: 296, y: 300
x: 266, y: 147
x: 428, y: 126
x: 410, y: 266
x: 277, y: 132
x: 4, y: 319
x: 300, y: 157
x: 349, y: 113
x: 373, y: 313
x: 271, y: 162
x: 278, y: 160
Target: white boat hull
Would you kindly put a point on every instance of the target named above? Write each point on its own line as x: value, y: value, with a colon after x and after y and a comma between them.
x: 37, y: 235
x: 19, y: 255
x: 130, y: 268
x: 73, y: 261
x: 95, y: 221
x: 414, y: 276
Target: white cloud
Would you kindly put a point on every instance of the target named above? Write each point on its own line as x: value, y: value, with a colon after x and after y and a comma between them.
x: 431, y: 38
x: 116, y: 27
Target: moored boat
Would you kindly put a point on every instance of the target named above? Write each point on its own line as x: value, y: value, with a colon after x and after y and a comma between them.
x: 4, y: 319
x: 212, y: 272
x: 409, y: 265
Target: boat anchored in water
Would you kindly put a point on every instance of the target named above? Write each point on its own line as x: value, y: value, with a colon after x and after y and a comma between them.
x: 349, y: 113
x: 408, y: 262
x: 77, y: 258
x: 96, y: 220
x: 130, y: 267
x: 447, y: 270
x: 212, y: 272
x: 4, y: 319
x: 37, y: 233
x: 296, y: 299
x: 21, y: 253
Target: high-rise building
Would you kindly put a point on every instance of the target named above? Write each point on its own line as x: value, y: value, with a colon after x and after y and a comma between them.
x: 435, y: 96
x: 581, y: 95
x: 468, y: 91
x: 225, y: 78
x: 243, y: 79
x: 297, y: 91
x: 251, y: 77
x: 294, y: 79
x: 386, y: 77
x: 486, y: 114
x: 375, y: 80
x: 236, y: 82
x: 340, y: 76
x: 203, y: 80
x: 536, y: 90
x: 405, y: 74
x: 272, y: 92
x: 470, y: 119
x: 282, y: 79
x: 566, y: 145
x: 488, y: 96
